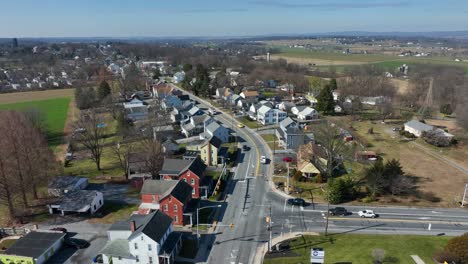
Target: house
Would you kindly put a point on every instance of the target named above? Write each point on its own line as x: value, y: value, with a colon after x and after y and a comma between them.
x: 286, y: 106
x: 168, y: 196
x: 307, y: 169
x: 136, y: 109
x: 365, y: 155
x: 223, y: 93
x: 376, y: 100
x: 242, y: 104
x: 81, y: 201
x: 270, y: 116
x: 214, y: 129
x: 196, y: 125
x: 137, y: 166
x: 171, y: 101
x: 290, y: 135
x: 295, y: 110
x: 161, y: 90
x: 142, y: 239
x: 162, y: 132
x: 308, y: 113
x: 170, y: 147
x: 234, y: 99
x: 417, y: 128
x: 249, y: 96
x: 209, y: 150
x: 179, y: 77
x: 190, y: 171
x: 61, y: 185
x: 180, y: 112
x: 35, y: 247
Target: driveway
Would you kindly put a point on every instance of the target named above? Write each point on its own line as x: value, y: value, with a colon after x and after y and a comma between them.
x: 114, y: 192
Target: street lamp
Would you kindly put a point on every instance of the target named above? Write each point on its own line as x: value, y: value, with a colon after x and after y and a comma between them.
x: 198, y: 209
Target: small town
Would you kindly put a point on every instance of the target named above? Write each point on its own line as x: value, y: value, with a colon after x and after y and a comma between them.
x: 181, y: 141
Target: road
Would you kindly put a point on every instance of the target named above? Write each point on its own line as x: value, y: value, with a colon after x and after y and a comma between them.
x: 251, y: 198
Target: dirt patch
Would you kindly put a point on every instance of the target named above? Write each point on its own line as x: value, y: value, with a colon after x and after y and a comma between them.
x: 317, y: 62
x: 402, y: 86
x: 9, y: 98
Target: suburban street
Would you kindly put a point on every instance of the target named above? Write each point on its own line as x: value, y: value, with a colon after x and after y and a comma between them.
x: 251, y: 197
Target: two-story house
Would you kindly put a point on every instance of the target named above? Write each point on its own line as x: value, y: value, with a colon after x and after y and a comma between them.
x: 142, y: 239
x: 249, y: 96
x: 290, y: 135
x: 214, y: 129
x: 196, y: 125
x: 190, y: 171
x: 170, y: 101
x: 308, y: 113
x: 161, y: 90
x: 270, y: 116
x: 211, y: 152
x: 169, y: 196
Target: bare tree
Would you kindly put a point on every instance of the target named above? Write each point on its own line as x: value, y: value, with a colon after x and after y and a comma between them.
x: 122, y: 153
x: 334, y: 151
x: 7, y: 189
x: 92, y: 130
x: 154, y: 156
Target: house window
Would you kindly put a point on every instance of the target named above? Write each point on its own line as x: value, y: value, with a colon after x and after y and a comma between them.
x: 100, y: 202
x: 136, y: 246
x: 94, y: 207
x: 151, y: 260
x: 176, y: 219
x: 149, y: 247
x: 192, y: 181
x: 153, y: 197
x: 185, y: 180
x: 141, y: 238
x: 170, y: 199
x: 137, y: 259
x: 193, y: 191
x: 175, y: 208
x: 166, y: 208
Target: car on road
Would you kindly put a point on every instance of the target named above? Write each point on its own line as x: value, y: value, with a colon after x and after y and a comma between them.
x: 296, y: 201
x: 245, y: 148
x: 367, y: 214
x: 338, y: 211
x: 60, y: 229
x: 288, y: 159
x: 240, y: 125
x: 396, y: 129
x: 263, y: 160
x: 98, y: 259
x: 76, y: 243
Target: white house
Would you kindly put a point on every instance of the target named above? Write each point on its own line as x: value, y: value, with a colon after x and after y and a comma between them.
x: 308, y: 114
x: 216, y: 130
x: 295, y: 110
x: 376, y: 100
x: 142, y: 239
x: 417, y: 128
x: 270, y: 116
x: 286, y: 106
x: 178, y: 77
x: 82, y: 201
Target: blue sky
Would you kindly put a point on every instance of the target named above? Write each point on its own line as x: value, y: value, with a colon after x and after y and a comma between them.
x: 128, y: 18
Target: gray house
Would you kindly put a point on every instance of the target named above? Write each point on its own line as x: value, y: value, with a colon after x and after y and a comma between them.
x: 290, y: 135
x: 61, y: 185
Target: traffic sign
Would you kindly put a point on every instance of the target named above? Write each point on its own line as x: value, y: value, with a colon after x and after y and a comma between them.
x: 317, y: 255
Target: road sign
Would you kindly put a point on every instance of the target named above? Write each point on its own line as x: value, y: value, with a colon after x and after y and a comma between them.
x: 317, y: 255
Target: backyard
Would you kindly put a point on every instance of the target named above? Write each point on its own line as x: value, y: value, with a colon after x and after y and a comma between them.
x: 350, y: 248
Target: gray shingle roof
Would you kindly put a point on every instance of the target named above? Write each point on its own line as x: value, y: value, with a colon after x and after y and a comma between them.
x: 63, y: 182
x: 178, y: 189
x: 117, y: 248
x: 74, y: 201
x: 155, y: 225
x: 178, y: 166
x: 34, y: 244
x: 216, y: 142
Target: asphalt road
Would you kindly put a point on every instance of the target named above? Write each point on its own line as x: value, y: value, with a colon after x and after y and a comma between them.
x: 251, y: 198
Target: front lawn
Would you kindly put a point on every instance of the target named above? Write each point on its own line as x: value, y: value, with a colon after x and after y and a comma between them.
x: 268, y: 137
x: 358, y: 248
x: 249, y: 123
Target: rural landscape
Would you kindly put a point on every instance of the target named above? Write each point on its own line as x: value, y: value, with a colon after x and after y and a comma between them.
x: 241, y: 147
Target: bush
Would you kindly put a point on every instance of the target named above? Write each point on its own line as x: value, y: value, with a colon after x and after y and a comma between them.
x: 436, y: 138
x: 455, y: 251
x: 341, y: 190
x: 319, y: 178
x: 406, y: 134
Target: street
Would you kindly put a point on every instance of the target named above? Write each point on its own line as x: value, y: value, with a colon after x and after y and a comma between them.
x: 252, y: 197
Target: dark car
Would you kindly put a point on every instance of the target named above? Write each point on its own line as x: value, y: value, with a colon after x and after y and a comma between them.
x: 296, y: 201
x: 98, y: 259
x: 60, y: 229
x: 288, y: 159
x: 341, y: 211
x: 76, y: 243
x: 245, y: 148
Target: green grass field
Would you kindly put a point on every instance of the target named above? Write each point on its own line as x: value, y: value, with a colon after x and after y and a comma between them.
x: 349, y: 248
x: 55, y: 114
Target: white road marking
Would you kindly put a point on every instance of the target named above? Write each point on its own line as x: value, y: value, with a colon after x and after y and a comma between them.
x: 292, y: 208
x: 285, y: 201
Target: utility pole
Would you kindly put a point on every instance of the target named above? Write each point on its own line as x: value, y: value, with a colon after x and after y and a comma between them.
x: 269, y: 229
x: 464, y: 195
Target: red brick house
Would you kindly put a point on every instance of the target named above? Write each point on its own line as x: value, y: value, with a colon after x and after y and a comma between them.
x: 190, y: 171
x: 168, y: 196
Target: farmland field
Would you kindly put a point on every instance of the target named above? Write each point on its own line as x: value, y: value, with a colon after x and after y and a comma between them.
x: 10, y: 98
x: 54, y: 110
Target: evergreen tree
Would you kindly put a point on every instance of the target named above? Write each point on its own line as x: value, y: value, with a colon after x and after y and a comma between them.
x: 333, y: 84
x: 156, y: 74
x: 325, y: 101
x: 103, y: 90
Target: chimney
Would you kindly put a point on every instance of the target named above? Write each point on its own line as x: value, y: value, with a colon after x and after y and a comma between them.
x: 132, y: 226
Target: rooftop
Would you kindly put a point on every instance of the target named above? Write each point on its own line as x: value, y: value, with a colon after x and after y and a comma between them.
x: 178, y: 189
x: 62, y: 182
x: 34, y: 244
